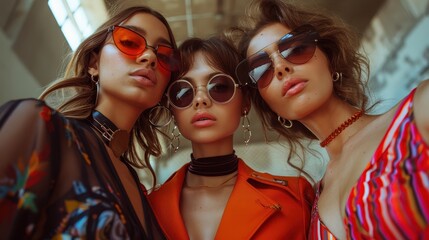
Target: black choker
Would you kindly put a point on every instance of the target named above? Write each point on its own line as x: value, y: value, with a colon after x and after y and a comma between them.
x: 214, y: 166
x: 115, y: 138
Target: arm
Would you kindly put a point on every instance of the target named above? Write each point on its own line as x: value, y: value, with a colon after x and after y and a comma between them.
x: 26, y: 133
x: 421, y: 113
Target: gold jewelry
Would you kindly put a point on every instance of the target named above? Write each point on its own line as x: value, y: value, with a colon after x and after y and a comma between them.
x: 343, y: 126
x: 282, y: 121
x: 175, y: 138
x: 245, y: 124
x: 215, y: 186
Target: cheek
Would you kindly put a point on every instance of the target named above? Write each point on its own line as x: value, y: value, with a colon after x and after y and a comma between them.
x: 110, y: 61
x: 235, y: 112
x: 269, y: 93
x: 163, y: 74
x: 180, y: 118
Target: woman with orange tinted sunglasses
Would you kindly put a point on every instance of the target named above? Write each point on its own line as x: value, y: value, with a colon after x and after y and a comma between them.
x: 67, y: 171
x: 306, y: 71
x: 216, y: 195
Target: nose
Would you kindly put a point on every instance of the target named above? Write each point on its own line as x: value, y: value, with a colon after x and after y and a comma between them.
x: 148, y: 57
x: 201, y: 98
x: 281, y: 66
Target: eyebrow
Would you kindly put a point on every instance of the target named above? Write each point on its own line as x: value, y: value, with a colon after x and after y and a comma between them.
x: 143, y: 32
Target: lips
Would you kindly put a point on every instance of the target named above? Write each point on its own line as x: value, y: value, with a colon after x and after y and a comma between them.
x: 144, y: 76
x: 293, y: 86
x: 199, y: 117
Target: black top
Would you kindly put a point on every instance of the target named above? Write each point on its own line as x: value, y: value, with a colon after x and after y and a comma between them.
x: 57, y: 180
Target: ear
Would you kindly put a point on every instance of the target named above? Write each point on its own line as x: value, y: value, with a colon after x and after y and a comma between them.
x: 93, y: 69
x: 246, y: 106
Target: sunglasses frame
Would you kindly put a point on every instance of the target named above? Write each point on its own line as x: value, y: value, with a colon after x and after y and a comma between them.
x: 194, y: 90
x: 304, y: 32
x: 166, y: 66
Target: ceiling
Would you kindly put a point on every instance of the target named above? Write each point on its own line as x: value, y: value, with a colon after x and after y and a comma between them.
x: 202, y: 18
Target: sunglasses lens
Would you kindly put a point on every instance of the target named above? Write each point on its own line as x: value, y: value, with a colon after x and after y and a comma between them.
x: 221, y: 88
x: 260, y: 69
x: 133, y: 44
x: 266, y: 78
x: 181, y: 94
x: 167, y: 58
x: 296, y: 47
x: 298, y: 52
x: 128, y: 41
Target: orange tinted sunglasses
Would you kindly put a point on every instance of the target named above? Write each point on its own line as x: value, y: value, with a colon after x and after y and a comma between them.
x: 134, y: 44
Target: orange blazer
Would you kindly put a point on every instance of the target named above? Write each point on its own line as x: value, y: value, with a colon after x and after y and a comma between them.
x: 261, y: 206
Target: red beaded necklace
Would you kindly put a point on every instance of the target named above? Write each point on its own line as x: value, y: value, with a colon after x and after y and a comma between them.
x: 343, y: 126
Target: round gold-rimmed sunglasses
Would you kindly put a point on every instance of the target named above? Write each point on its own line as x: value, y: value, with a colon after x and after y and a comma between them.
x: 221, y: 89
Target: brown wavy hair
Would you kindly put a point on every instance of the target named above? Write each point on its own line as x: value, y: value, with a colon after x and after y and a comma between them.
x: 337, y: 41
x: 218, y: 51
x: 74, y: 94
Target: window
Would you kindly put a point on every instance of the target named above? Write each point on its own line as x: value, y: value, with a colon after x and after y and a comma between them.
x: 72, y: 19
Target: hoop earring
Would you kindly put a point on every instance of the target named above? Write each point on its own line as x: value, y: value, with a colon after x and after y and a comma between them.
x: 337, y: 76
x: 282, y: 121
x: 175, y: 138
x: 245, y: 125
x: 97, y: 85
x: 160, y: 116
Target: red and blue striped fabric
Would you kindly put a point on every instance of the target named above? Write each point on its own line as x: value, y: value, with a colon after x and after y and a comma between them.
x: 391, y: 198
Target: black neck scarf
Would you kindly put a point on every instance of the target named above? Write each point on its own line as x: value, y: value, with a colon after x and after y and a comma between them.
x: 214, y: 166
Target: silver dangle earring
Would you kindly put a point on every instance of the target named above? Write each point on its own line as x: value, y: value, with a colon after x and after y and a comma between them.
x: 245, y: 125
x: 282, y: 121
x: 337, y: 76
x: 97, y: 85
x: 175, y: 138
x: 160, y: 116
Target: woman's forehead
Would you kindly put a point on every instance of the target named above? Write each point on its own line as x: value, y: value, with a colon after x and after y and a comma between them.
x: 266, y: 36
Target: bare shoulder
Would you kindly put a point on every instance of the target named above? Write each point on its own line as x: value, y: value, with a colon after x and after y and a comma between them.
x: 420, y: 108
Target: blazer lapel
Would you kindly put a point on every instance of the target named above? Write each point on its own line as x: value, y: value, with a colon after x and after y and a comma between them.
x: 246, y: 210
x: 167, y: 209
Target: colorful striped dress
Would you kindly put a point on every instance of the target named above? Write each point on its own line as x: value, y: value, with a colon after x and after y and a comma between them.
x: 391, y: 198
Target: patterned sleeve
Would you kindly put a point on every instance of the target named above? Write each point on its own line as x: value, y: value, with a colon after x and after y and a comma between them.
x: 27, y: 148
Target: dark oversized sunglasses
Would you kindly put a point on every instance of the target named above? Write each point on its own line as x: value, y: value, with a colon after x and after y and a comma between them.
x: 133, y: 44
x: 221, y: 89
x: 297, y: 47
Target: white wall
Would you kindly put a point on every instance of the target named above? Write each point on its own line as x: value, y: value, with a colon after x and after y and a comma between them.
x: 15, y: 80
x: 397, y: 43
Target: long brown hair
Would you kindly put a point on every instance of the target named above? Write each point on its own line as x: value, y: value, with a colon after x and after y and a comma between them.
x: 337, y: 41
x: 75, y: 93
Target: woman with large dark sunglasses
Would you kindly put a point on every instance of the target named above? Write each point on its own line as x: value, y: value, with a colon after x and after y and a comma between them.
x: 68, y: 169
x: 307, y: 78
x: 216, y: 195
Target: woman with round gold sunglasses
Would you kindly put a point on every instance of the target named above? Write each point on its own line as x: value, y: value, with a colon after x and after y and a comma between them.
x: 217, y: 195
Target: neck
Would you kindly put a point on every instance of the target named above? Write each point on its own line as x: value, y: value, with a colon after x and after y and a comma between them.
x: 123, y: 116
x: 115, y: 138
x: 329, y: 117
x: 209, y: 182
x: 214, y: 166
x: 341, y: 128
